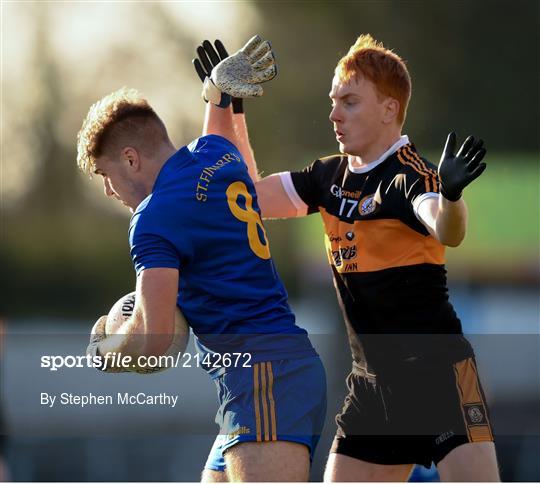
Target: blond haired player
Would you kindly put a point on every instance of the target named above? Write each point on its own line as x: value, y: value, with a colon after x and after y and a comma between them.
x: 414, y: 393
x: 197, y: 242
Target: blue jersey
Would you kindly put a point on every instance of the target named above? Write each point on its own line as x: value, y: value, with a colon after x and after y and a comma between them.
x: 202, y: 218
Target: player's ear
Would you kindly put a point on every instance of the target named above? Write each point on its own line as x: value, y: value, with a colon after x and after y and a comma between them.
x: 131, y: 157
x: 391, y: 110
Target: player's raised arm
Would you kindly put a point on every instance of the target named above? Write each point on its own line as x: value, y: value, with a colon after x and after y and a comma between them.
x: 231, y: 124
x: 446, y: 217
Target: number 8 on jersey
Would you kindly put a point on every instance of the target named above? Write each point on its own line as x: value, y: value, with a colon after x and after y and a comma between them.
x: 249, y: 216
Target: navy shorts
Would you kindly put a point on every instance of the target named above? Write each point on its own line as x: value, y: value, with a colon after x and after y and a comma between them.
x: 272, y: 400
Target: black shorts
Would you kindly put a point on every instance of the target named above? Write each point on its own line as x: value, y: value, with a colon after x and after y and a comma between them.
x: 416, y: 414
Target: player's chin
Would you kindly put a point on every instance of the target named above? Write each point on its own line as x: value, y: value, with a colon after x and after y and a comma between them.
x: 129, y: 206
x: 347, y: 149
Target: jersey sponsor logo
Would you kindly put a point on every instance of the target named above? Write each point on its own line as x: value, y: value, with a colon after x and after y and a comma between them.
x: 475, y: 415
x: 350, y: 267
x: 340, y: 193
x: 208, y: 172
x: 349, y: 235
x: 334, y: 238
x: 342, y: 254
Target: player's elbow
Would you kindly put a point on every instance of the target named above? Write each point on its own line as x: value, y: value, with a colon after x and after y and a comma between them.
x: 452, y: 240
x: 452, y: 243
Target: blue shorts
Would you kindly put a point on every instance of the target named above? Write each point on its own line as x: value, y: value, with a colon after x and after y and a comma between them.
x: 272, y: 400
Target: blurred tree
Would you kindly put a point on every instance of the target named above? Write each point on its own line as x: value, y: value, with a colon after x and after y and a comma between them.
x: 475, y: 68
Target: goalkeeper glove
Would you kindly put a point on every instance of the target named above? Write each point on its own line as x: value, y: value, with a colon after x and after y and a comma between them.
x: 457, y: 171
x: 208, y: 58
x: 241, y: 74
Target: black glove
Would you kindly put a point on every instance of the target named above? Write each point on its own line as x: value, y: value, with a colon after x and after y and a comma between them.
x: 208, y: 58
x: 457, y: 171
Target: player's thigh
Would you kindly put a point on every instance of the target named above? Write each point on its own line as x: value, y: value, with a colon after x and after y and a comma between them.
x: 213, y: 476
x: 472, y: 462
x: 267, y: 461
x: 342, y: 468
x: 214, y: 469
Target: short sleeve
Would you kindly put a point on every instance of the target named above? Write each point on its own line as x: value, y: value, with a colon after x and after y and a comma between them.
x: 151, y: 251
x: 155, y: 240
x: 421, y: 179
x: 308, y: 184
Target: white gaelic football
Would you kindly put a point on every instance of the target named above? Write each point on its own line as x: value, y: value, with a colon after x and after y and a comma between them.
x: 123, y: 309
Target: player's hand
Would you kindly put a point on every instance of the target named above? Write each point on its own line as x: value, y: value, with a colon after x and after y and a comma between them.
x: 241, y: 74
x: 208, y: 58
x: 98, y: 331
x: 96, y: 336
x: 457, y: 171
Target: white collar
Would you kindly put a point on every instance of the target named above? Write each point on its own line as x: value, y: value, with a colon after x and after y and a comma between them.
x: 402, y: 141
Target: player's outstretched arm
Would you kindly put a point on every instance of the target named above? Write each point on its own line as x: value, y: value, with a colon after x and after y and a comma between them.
x: 273, y: 200
x: 220, y: 121
x: 446, y: 218
x: 150, y: 330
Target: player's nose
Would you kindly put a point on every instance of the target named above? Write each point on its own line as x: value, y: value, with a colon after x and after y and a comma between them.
x: 107, y: 187
x: 334, y: 115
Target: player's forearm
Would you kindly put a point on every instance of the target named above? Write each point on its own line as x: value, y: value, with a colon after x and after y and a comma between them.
x: 451, y: 222
x: 243, y: 144
x: 233, y: 127
x: 136, y: 338
x: 219, y: 121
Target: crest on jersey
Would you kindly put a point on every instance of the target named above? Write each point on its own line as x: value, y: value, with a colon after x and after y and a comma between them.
x: 475, y: 414
x: 370, y: 203
x: 367, y: 205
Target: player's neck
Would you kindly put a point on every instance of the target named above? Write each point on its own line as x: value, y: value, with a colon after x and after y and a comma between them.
x: 375, y: 150
x: 158, y: 160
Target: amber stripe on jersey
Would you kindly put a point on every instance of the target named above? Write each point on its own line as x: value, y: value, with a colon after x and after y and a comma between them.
x: 470, y: 395
x: 263, y: 395
x: 401, y: 157
x: 404, y: 152
x: 426, y: 168
x: 406, y: 156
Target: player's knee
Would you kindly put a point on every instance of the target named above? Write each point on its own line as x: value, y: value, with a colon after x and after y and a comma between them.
x: 342, y: 468
x: 263, y: 461
x: 209, y: 475
x: 474, y: 461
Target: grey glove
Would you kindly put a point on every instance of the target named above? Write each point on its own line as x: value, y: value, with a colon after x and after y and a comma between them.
x: 241, y: 74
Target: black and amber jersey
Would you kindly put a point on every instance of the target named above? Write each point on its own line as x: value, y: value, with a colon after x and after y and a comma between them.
x: 388, y: 270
